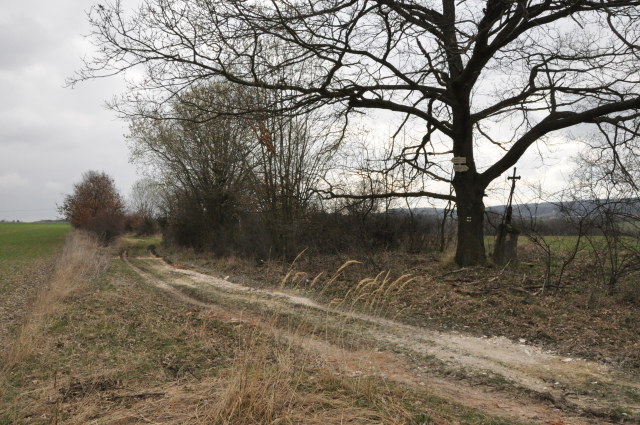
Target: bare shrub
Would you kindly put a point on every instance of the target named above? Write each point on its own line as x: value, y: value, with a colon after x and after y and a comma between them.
x: 605, y: 195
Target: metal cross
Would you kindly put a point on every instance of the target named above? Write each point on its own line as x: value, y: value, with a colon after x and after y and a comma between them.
x: 507, y: 218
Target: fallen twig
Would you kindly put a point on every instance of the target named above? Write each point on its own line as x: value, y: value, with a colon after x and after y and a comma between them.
x: 139, y: 395
x: 451, y: 272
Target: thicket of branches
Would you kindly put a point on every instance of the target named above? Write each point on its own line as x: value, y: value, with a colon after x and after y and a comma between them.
x: 232, y: 182
x: 597, y: 222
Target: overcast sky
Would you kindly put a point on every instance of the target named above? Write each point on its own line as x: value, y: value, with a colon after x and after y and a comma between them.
x: 50, y: 134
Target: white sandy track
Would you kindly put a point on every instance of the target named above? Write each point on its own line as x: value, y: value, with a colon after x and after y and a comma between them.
x: 531, y: 368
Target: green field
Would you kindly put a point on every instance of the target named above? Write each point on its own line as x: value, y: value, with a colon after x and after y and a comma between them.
x: 28, y: 241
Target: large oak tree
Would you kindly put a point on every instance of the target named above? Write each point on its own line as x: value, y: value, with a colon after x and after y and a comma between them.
x: 463, y: 68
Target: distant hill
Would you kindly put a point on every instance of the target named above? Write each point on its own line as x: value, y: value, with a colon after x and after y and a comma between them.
x: 540, y: 210
x: 548, y: 210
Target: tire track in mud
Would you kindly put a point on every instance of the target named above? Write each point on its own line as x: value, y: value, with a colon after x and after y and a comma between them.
x: 550, y: 386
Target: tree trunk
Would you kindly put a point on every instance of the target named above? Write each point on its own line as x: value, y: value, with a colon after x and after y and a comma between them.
x: 469, y: 201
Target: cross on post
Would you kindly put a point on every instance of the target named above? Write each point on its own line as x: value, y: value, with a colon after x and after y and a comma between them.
x: 507, y: 217
x: 506, y: 248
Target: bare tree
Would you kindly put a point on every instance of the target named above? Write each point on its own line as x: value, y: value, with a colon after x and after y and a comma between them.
x: 223, y: 167
x: 144, y: 202
x: 294, y: 154
x: 95, y: 205
x: 201, y: 158
x: 479, y: 76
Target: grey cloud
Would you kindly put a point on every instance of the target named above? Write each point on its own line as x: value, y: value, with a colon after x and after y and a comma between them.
x: 12, y: 181
x: 22, y: 42
x: 49, y: 134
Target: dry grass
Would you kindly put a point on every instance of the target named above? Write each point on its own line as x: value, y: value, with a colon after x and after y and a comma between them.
x: 275, y: 382
x: 108, y: 348
x: 580, y: 320
x: 377, y: 295
x: 261, y: 387
x: 271, y: 379
x: 269, y: 383
x: 80, y: 260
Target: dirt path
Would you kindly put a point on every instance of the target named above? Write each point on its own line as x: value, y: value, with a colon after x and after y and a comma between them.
x: 500, y: 377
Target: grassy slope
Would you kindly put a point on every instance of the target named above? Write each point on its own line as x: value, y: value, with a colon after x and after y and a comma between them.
x: 28, y: 253
x: 26, y: 248
x: 114, y: 350
x: 27, y: 256
x: 20, y: 242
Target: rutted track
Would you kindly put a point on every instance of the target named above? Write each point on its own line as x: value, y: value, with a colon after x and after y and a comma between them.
x: 551, y: 388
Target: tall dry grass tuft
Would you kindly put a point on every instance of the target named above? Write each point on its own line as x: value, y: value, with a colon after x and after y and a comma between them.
x: 262, y: 387
x: 276, y: 381
x: 377, y: 295
x: 81, y: 260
